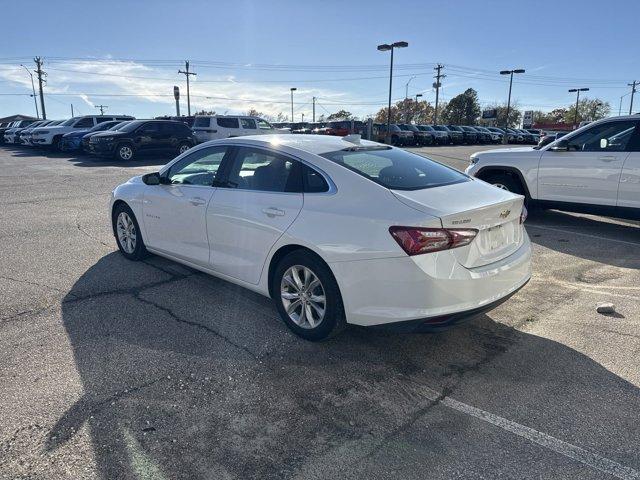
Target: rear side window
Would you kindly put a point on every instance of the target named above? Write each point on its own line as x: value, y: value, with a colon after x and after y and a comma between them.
x: 396, y: 169
x: 202, y: 122
x: 85, y: 122
x: 312, y: 181
x: 264, y: 125
x: 263, y: 170
x: 103, y: 119
x: 248, y: 123
x: 228, y: 122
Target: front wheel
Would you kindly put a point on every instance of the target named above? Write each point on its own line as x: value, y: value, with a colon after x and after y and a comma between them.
x: 307, y: 297
x: 127, y: 233
x: 124, y: 152
x: 183, y: 147
x: 506, y: 182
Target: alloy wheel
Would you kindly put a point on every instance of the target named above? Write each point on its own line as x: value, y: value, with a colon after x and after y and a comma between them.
x: 126, y: 230
x: 125, y: 152
x: 500, y: 186
x: 303, y: 296
x: 183, y: 148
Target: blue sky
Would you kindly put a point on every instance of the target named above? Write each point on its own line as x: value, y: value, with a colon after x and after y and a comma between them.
x: 248, y: 54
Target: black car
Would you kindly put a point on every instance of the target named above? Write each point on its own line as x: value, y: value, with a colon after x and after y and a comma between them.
x: 446, y: 140
x: 483, y: 137
x: 467, y: 137
x: 143, y: 136
x: 420, y: 137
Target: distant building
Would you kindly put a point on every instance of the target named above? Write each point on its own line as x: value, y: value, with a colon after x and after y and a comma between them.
x: 15, y: 118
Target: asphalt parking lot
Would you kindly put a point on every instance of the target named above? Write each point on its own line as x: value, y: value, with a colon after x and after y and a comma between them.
x: 113, y: 369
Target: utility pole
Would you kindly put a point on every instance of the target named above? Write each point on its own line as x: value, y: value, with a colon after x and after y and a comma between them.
x: 633, y: 90
x: 313, y: 100
x: 437, y: 86
x: 293, y: 89
x: 35, y: 100
x: 187, y: 73
x: 40, y: 73
x: 303, y: 118
x: 72, y: 110
x: 102, y: 108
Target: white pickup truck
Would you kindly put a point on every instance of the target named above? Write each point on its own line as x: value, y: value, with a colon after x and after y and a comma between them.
x: 595, y: 169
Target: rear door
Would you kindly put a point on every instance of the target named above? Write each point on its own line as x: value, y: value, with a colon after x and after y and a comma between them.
x: 629, y: 188
x: 246, y: 217
x: 175, y: 212
x: 249, y: 126
x: 588, y: 171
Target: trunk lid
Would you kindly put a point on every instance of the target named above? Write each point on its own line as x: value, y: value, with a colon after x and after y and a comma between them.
x: 475, y: 204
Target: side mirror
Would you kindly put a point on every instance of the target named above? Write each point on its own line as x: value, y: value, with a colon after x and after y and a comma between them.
x: 151, y: 178
x: 560, y: 146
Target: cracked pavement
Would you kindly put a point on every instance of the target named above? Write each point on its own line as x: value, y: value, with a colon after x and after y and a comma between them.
x: 113, y: 369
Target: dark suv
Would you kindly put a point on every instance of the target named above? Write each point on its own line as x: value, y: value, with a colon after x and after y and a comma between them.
x: 346, y: 127
x: 143, y: 136
x: 468, y: 136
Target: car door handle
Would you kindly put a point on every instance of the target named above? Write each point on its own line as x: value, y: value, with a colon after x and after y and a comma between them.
x: 197, y: 201
x: 608, y: 158
x: 273, y: 212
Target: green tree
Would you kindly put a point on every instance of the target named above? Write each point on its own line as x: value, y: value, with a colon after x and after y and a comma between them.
x: 463, y: 109
x: 341, y: 115
x: 554, y: 116
x: 588, y: 109
x: 515, y: 115
x: 407, y: 111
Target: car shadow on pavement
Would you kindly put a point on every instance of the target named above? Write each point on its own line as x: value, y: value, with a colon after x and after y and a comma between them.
x: 188, y: 376
x: 615, y: 243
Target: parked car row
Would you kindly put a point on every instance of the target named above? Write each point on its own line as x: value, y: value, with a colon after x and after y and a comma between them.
x: 119, y: 136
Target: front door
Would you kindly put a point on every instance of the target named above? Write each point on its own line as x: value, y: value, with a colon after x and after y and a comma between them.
x: 261, y: 199
x: 588, y: 169
x: 174, y: 212
x: 150, y: 138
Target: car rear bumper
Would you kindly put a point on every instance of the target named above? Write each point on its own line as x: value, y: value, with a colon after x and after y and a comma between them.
x: 433, y: 289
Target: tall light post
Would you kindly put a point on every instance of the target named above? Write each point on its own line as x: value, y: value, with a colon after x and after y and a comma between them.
x: 35, y: 100
x: 505, y: 137
x: 620, y: 107
x: 384, y: 48
x: 406, y: 88
x: 595, y: 109
x: 417, y: 96
x: 293, y: 89
x: 577, y: 92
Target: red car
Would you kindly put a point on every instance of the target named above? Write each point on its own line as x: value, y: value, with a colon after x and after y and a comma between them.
x: 345, y: 127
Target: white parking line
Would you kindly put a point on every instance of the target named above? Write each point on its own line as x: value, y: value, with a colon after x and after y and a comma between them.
x: 635, y: 244
x: 567, y: 449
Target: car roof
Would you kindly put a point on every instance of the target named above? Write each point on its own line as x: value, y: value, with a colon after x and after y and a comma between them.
x: 317, y: 144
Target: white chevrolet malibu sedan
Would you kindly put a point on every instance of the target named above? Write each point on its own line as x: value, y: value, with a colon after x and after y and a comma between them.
x: 335, y: 230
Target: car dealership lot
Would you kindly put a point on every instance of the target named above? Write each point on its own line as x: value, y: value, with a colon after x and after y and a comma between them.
x: 118, y: 369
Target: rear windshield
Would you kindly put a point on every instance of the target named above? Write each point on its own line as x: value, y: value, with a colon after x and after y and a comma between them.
x: 395, y: 168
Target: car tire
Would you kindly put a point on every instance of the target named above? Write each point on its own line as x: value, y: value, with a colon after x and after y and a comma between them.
x: 183, y: 147
x: 305, y: 294
x: 506, y: 182
x: 55, y: 143
x: 127, y: 233
x: 394, y: 140
x: 125, y: 152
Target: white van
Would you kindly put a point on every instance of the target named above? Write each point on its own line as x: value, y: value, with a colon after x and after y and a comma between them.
x: 213, y: 127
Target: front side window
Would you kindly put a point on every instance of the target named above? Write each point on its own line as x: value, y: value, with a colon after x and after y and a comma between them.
x: 606, y: 137
x: 228, y: 122
x: 262, y: 170
x: 199, y: 168
x: 395, y: 168
x: 248, y: 123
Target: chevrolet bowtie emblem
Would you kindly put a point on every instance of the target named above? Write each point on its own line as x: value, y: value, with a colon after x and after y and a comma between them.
x: 505, y: 213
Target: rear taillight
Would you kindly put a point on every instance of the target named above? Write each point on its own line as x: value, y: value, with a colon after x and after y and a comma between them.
x: 417, y: 240
x: 523, y: 214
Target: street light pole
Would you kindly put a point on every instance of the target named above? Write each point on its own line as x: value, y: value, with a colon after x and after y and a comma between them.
x: 577, y: 91
x: 384, y: 48
x: 406, y: 88
x: 293, y: 89
x: 35, y: 100
x: 505, y: 137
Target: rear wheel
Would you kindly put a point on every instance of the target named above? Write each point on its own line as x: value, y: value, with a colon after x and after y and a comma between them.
x: 307, y: 296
